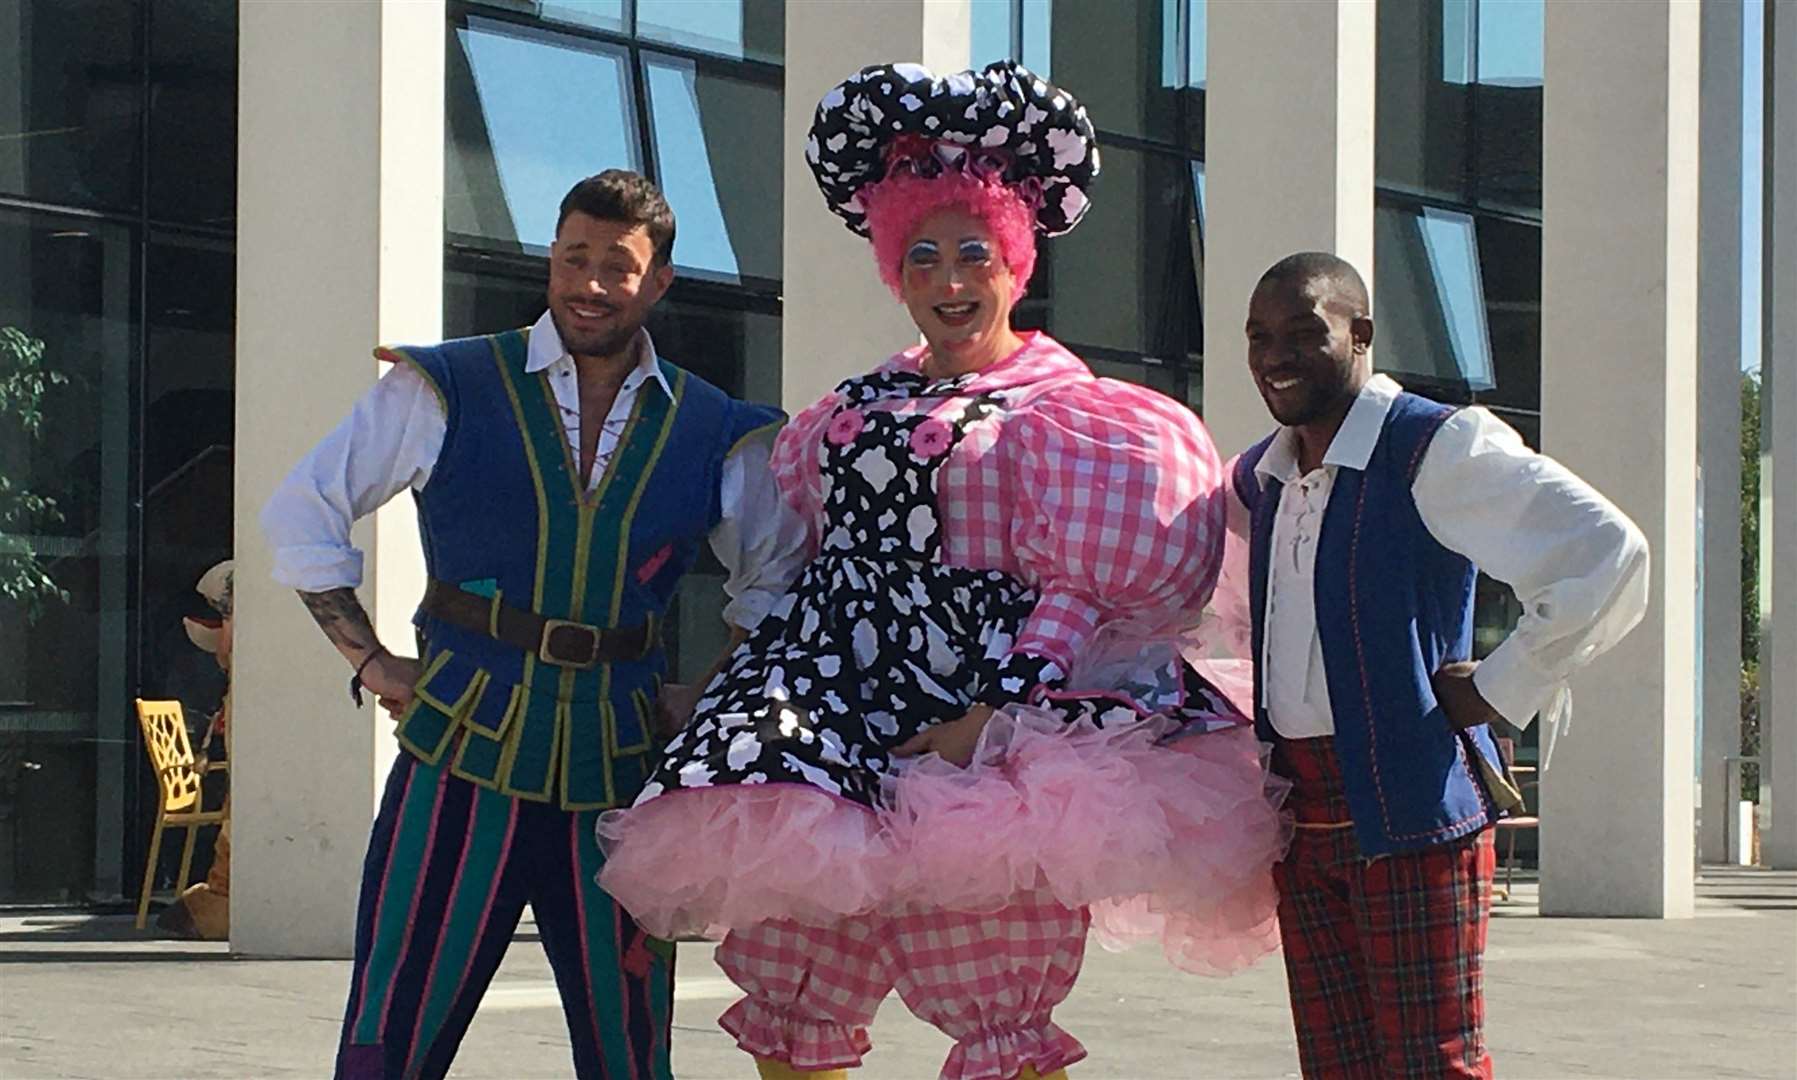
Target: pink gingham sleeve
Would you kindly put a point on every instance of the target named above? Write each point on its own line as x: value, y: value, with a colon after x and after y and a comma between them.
x: 797, y: 464
x: 1119, y: 514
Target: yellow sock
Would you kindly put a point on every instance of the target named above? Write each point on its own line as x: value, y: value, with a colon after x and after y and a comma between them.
x: 770, y: 1069
x: 1029, y: 1073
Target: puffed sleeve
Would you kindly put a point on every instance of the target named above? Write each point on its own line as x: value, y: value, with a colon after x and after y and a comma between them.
x: 797, y: 464
x: 1119, y: 517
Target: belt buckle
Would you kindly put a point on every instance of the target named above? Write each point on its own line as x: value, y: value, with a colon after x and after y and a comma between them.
x: 561, y: 644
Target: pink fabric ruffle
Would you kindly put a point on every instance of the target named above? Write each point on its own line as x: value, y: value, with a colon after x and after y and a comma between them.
x: 1170, y: 840
x: 1212, y: 906
x: 703, y: 860
x: 1002, y: 1054
x: 805, y: 1043
x: 1162, y: 840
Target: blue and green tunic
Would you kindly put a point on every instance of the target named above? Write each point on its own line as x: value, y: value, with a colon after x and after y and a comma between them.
x: 506, y: 515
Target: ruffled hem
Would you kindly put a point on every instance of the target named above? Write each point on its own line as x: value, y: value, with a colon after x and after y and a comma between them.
x: 1001, y: 1055
x: 700, y: 861
x: 807, y: 1044
x: 1164, y: 839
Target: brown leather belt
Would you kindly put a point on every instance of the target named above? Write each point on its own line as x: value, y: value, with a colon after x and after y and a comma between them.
x: 554, y: 641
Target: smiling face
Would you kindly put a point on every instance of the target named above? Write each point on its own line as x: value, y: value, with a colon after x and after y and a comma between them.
x: 959, y: 290
x: 603, y: 280
x: 1308, y: 349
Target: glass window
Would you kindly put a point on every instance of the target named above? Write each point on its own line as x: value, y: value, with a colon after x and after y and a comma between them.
x: 1114, y: 57
x: 1459, y: 100
x: 1510, y: 265
x: 1430, y: 302
x: 742, y: 29
x: 1197, y: 44
x: 712, y: 140
x: 1127, y: 279
x: 511, y: 158
x: 991, y: 32
x: 1511, y: 42
x: 64, y: 536
x: 1458, y: 305
x: 193, y: 111
x: 735, y: 350
x: 71, y: 100
x: 601, y: 14
x: 1038, y: 36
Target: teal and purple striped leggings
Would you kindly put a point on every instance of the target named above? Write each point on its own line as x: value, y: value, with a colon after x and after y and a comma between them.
x: 450, y: 867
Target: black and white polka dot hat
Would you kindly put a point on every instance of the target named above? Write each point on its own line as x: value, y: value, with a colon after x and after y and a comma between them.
x: 1002, y: 121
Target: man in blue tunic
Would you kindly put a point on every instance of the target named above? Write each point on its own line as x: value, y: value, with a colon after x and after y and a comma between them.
x: 1367, y: 512
x: 565, y: 476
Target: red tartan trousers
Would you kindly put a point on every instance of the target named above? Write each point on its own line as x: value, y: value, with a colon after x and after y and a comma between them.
x: 1384, y: 956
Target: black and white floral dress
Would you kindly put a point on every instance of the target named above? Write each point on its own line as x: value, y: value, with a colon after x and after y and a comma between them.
x: 878, y: 639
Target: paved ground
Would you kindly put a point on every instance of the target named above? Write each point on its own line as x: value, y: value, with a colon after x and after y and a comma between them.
x: 1715, y: 996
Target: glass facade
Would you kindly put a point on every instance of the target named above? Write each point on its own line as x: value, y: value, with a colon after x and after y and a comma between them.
x: 687, y: 92
x: 117, y: 198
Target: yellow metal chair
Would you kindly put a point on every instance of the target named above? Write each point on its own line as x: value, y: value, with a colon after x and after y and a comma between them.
x: 178, y: 775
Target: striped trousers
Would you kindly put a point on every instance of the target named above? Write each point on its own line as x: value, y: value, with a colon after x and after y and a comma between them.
x: 450, y: 867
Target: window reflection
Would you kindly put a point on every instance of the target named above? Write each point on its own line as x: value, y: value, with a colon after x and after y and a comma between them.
x: 741, y: 29
x: 712, y: 139
x: 1127, y: 279
x: 1459, y: 100
x: 1197, y: 44
x: 991, y: 32
x: 513, y: 152
x: 1458, y: 305
x: 1122, y: 61
x: 601, y: 14
x: 64, y: 715
x: 1038, y: 36
x: 1430, y: 303
x: 193, y: 112
x: 71, y: 135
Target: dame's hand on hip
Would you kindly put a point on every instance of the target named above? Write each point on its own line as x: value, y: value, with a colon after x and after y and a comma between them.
x: 953, y: 741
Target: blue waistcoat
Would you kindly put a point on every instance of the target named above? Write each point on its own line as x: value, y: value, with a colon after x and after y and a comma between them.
x: 506, y: 516
x: 1393, y: 605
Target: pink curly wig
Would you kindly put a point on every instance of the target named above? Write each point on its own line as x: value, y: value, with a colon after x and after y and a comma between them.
x: 897, y: 205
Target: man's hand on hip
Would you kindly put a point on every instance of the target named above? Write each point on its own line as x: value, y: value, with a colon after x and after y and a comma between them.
x: 392, y: 679
x: 1460, y: 698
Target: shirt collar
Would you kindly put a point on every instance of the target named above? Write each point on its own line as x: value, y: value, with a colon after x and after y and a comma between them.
x: 1353, y: 444
x: 545, y: 351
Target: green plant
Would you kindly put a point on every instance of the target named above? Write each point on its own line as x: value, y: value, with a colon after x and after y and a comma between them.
x: 23, y: 381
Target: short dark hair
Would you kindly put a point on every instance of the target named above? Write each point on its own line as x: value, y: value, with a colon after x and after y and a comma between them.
x: 621, y: 195
x: 1307, y: 266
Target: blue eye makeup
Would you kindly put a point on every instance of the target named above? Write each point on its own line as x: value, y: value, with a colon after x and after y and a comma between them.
x: 975, y: 252
x: 923, y: 253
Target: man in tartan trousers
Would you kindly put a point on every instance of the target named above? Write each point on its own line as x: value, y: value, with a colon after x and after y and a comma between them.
x: 1368, y: 515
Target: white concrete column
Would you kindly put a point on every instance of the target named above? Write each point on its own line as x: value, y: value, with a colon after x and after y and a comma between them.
x: 1778, y: 444
x: 1719, y: 416
x: 339, y: 248
x: 1289, y: 167
x: 1618, y: 375
x: 837, y: 318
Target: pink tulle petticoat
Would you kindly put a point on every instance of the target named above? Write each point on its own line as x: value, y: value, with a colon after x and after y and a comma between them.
x: 1169, y: 840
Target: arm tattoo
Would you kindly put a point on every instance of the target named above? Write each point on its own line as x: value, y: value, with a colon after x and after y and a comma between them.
x: 341, y: 616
